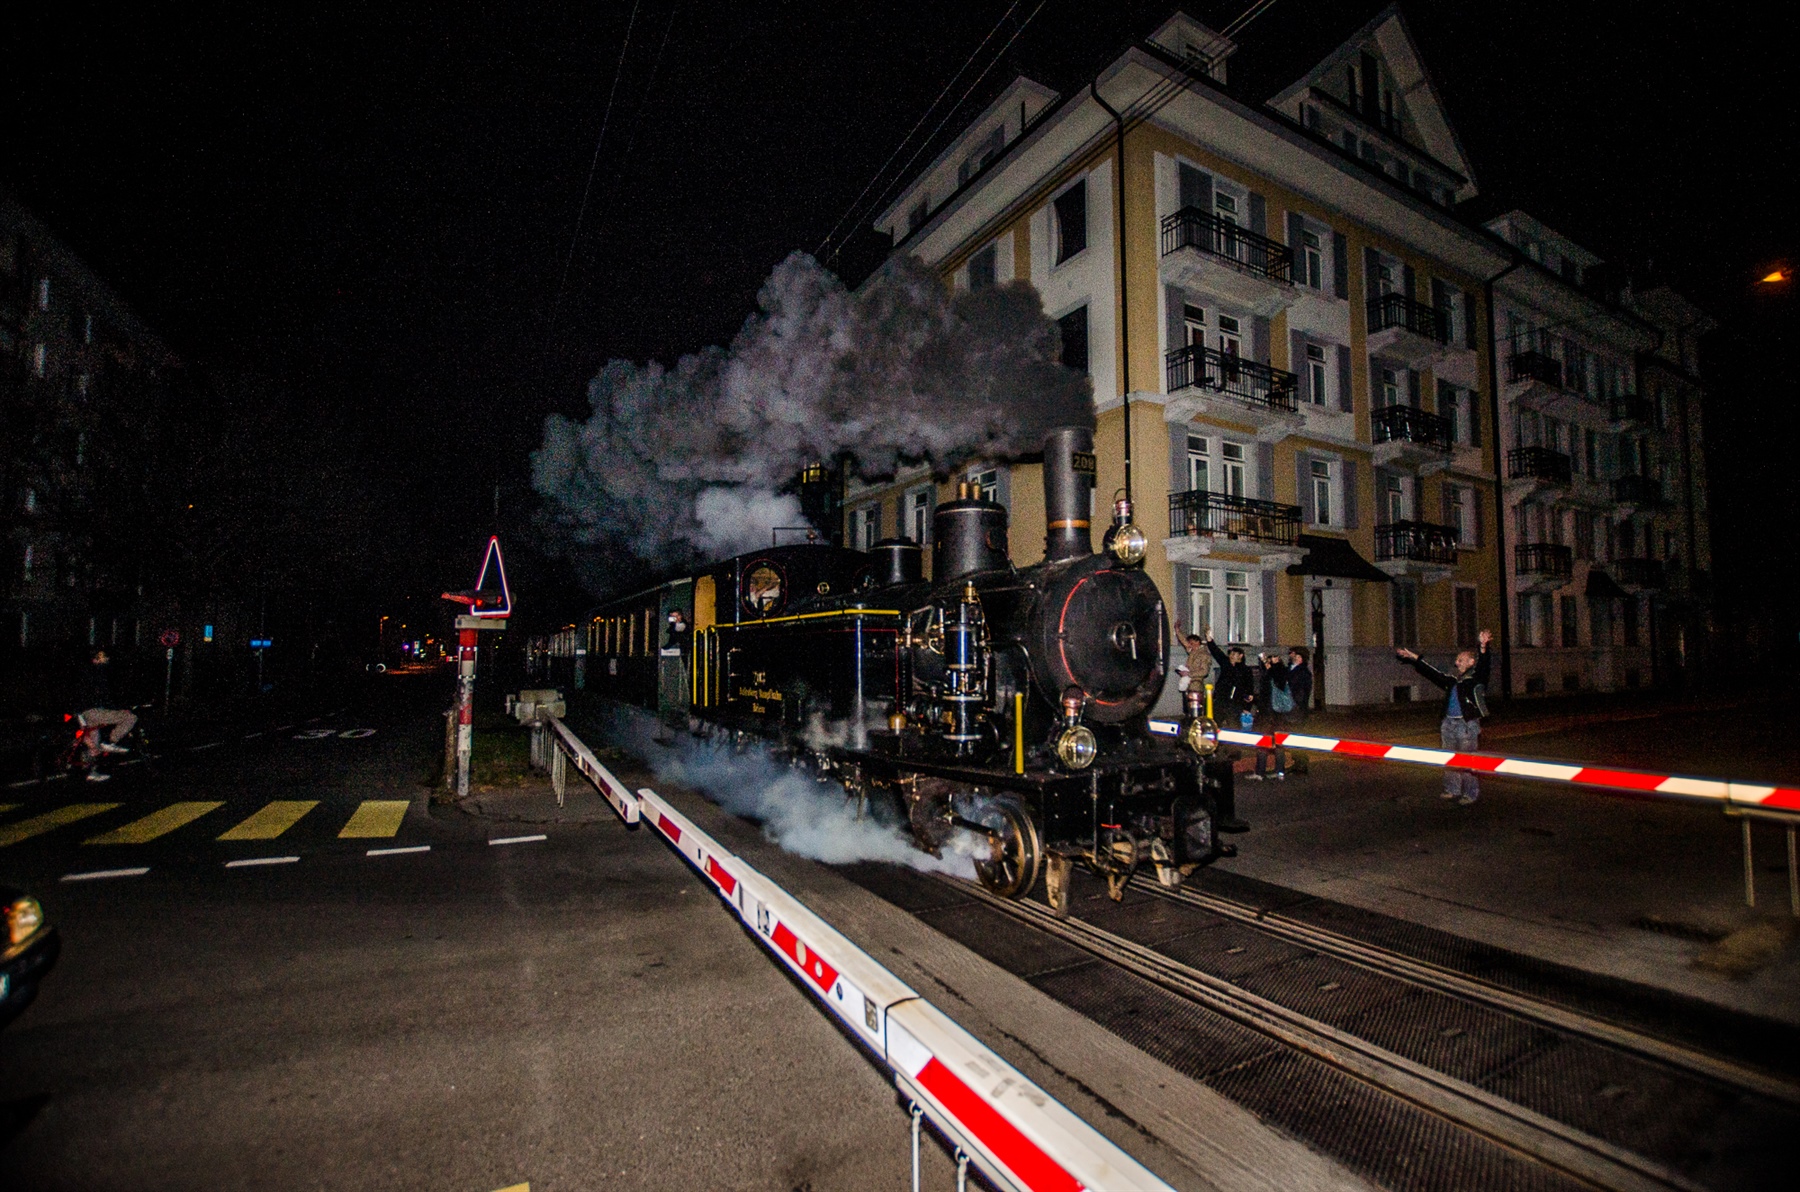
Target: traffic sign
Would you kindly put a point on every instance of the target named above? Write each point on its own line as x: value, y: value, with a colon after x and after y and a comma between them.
x: 170, y: 638
x: 261, y: 643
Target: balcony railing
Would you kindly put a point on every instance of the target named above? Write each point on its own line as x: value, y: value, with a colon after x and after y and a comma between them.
x: 1404, y: 424
x: 1247, y: 380
x: 1637, y: 490
x: 1243, y: 249
x: 1541, y: 367
x: 1543, y: 558
x: 1537, y: 463
x: 1418, y: 542
x: 1227, y: 516
x: 1397, y: 310
x: 1638, y: 573
x: 1629, y: 407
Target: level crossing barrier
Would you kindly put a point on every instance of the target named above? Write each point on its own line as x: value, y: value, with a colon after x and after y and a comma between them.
x: 1746, y: 800
x: 1015, y: 1134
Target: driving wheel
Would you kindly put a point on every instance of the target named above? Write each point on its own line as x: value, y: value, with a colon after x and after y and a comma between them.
x: 1015, y: 849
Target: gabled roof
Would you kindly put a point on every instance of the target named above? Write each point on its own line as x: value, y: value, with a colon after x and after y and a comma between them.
x: 1391, y: 42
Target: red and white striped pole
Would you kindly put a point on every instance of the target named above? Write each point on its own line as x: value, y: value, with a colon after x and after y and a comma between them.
x: 465, y: 708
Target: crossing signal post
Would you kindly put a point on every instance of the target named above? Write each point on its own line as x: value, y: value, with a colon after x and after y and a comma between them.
x: 489, y: 603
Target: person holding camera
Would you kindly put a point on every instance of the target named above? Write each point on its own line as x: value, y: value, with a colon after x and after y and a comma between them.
x: 1289, y: 698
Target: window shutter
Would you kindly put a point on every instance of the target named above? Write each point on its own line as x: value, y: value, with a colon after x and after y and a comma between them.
x: 1297, y: 366
x: 1265, y: 471
x: 1271, y: 630
x: 1303, y: 485
x: 1409, y: 281
x: 1346, y: 398
x: 1448, y: 515
x: 1179, y: 579
x: 1371, y: 261
x: 1349, y: 467
x: 1440, y: 296
x: 1475, y: 509
x: 1375, y: 396
x: 1196, y: 188
x: 1177, y: 326
x: 1296, y: 226
x: 1259, y: 214
x: 1468, y: 305
x: 1474, y: 410
x: 1178, y: 463
x: 1340, y: 265
x: 1414, y: 388
x: 1259, y: 340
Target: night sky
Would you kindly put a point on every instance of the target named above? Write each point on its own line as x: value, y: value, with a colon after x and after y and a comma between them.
x: 377, y: 202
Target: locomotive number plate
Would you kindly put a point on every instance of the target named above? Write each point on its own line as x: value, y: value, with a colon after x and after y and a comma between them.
x: 1082, y: 462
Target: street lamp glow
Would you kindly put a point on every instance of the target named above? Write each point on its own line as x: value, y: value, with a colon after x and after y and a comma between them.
x: 1777, y: 277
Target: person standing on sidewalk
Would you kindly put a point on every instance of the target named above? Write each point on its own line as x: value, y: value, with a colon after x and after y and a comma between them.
x: 1290, y: 698
x: 1460, y: 730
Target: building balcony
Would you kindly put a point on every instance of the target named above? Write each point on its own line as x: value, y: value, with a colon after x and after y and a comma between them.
x: 1542, y: 566
x: 1541, y: 374
x: 1637, y: 492
x: 1200, y: 521
x: 1629, y: 410
x: 1639, y: 575
x: 1406, y: 330
x: 1409, y: 438
x: 1208, y: 383
x: 1531, y: 471
x: 1225, y: 264
x: 1416, y: 548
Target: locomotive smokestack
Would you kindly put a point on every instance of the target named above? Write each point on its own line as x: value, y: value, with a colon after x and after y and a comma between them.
x: 1068, y: 492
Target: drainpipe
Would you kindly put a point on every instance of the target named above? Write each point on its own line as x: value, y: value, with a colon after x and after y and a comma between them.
x: 1124, y: 303
x: 1499, y: 479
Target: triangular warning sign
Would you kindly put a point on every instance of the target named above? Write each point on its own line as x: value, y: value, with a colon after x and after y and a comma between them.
x: 484, y: 600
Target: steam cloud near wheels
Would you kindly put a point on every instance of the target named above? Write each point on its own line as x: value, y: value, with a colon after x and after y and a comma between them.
x: 697, y: 460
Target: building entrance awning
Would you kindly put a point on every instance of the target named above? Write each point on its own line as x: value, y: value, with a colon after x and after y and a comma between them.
x: 1334, y: 558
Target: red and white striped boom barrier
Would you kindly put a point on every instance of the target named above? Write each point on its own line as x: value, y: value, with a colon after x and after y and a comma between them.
x: 1017, y: 1135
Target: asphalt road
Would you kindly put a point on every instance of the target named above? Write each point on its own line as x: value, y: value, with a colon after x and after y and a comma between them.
x: 568, y: 1012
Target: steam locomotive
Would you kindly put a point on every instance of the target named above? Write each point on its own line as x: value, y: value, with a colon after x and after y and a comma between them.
x: 1007, y: 703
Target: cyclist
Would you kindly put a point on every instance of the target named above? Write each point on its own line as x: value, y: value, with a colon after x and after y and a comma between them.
x: 96, y: 693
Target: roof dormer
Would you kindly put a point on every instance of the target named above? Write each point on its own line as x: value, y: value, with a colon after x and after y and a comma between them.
x: 1200, y: 47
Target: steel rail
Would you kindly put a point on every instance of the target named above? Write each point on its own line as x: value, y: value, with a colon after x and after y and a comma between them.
x: 1553, y: 1144
x: 1472, y: 989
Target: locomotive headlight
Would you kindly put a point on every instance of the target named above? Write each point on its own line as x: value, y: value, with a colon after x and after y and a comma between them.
x: 1201, y: 735
x: 1129, y: 545
x: 1076, y: 747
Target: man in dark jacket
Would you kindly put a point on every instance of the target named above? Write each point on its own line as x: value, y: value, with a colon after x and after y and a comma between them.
x: 1234, y: 692
x: 1460, y: 730
x: 1294, y: 677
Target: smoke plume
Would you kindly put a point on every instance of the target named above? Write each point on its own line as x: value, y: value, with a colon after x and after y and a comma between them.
x: 692, y: 460
x: 803, y: 815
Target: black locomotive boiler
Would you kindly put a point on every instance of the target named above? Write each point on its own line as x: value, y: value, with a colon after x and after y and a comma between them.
x: 1009, y: 704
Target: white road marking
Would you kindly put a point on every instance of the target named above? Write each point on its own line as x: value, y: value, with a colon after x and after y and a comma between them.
x: 282, y: 728
x: 13, y: 786
x: 208, y: 745
x: 246, y: 861
x: 395, y: 852
x: 518, y: 839
x: 95, y: 874
x: 251, y: 736
x: 356, y: 734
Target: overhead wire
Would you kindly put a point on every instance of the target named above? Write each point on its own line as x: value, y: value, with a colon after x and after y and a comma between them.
x: 593, y: 165
x: 857, y: 203
x: 637, y: 123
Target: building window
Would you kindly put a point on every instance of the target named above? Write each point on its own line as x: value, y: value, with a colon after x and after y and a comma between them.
x: 1232, y: 456
x: 40, y: 359
x: 1199, y: 451
x: 1466, y: 629
x: 1584, y: 534
x: 983, y: 268
x: 869, y: 531
x: 1462, y: 514
x: 985, y: 484
x: 1566, y: 614
x: 1394, y: 497
x: 918, y: 507
x: 1194, y: 319
x: 1316, y: 374
x: 1312, y: 261
x: 43, y: 293
x: 1600, y: 621
x: 1404, y: 601
x: 25, y: 570
x: 1321, y: 491
x: 1590, y: 450
x: 1071, y: 221
x: 1630, y: 608
x: 1200, y: 602
x: 1237, y: 606
x: 1074, y: 328
x: 31, y: 500
x: 1390, y: 388
x: 1230, y: 338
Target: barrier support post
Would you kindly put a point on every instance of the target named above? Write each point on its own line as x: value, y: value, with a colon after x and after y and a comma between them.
x: 917, y: 1113
x: 1793, y: 876
x: 1749, y: 866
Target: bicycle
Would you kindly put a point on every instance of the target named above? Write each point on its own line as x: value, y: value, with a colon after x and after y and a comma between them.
x: 81, y: 759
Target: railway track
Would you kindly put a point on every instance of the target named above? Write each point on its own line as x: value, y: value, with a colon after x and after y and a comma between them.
x: 1412, y: 1073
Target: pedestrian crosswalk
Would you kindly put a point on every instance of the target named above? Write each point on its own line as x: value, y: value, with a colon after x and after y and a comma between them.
x: 369, y: 819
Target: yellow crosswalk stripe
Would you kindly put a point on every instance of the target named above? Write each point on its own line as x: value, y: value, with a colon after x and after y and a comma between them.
x: 517, y: 1188
x: 375, y: 818
x: 27, y: 828
x: 158, y: 823
x: 6, y: 807
x: 272, y: 820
